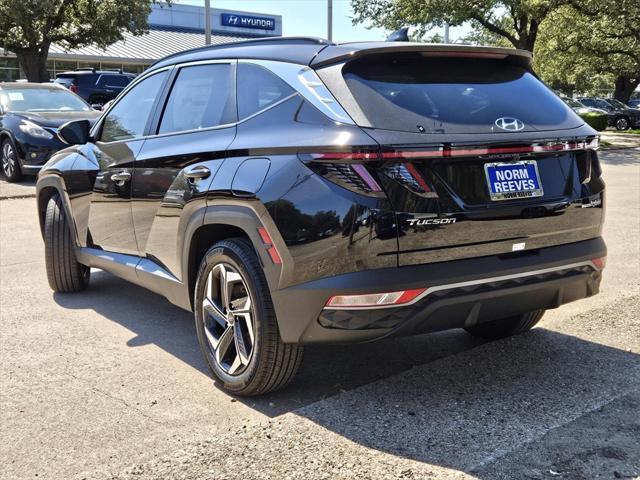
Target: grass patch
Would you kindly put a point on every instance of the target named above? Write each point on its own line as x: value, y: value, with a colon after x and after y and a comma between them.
x: 624, y: 132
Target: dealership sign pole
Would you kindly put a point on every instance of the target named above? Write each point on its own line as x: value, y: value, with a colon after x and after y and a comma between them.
x: 330, y: 20
x: 207, y: 22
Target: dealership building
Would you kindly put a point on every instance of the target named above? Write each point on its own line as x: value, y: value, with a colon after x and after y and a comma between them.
x: 171, y: 29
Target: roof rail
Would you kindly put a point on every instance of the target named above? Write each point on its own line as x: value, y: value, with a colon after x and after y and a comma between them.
x: 253, y: 41
x: 86, y: 69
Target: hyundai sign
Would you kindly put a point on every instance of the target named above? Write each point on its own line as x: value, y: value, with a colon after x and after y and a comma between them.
x: 248, y: 21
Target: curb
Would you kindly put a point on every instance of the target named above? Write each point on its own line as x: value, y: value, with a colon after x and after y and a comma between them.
x: 18, y: 197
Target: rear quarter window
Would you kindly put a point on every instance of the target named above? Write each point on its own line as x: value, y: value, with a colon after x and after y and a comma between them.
x: 258, y: 89
x: 414, y: 93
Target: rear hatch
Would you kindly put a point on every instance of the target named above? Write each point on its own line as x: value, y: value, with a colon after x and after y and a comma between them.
x: 477, y: 156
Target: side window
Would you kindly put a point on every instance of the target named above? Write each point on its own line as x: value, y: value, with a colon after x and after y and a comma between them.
x: 201, y: 97
x: 258, y: 88
x: 112, y: 81
x: 129, y: 116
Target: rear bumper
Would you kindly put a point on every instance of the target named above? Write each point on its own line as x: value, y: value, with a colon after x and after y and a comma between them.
x: 460, y: 293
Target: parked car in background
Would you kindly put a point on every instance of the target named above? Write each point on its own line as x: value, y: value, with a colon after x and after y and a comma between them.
x: 292, y: 191
x: 595, y: 117
x: 619, y: 115
x: 97, y: 87
x: 578, y: 107
x: 634, y: 103
x: 30, y: 114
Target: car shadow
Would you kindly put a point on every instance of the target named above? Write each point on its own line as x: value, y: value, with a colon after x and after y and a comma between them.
x: 471, y: 410
x: 459, y: 412
x: 326, y: 369
x: 620, y: 156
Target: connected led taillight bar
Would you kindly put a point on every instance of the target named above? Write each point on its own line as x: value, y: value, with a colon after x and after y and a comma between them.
x: 445, y: 151
x: 375, y: 300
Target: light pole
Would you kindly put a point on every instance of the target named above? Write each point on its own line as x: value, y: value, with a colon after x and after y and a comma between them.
x: 207, y: 22
x: 329, y: 20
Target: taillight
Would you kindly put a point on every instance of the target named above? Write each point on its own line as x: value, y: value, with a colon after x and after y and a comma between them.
x: 73, y: 88
x: 346, y: 169
x: 448, y: 151
x: 375, y: 300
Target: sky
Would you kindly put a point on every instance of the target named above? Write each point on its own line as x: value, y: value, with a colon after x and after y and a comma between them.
x: 309, y: 17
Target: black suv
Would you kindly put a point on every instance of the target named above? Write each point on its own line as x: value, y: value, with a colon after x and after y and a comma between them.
x: 619, y: 115
x: 292, y: 191
x: 96, y: 86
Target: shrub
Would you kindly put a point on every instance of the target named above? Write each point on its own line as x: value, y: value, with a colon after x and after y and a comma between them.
x: 597, y: 121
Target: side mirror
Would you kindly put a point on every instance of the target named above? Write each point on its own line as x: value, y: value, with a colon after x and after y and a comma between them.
x: 75, y: 132
x: 96, y: 106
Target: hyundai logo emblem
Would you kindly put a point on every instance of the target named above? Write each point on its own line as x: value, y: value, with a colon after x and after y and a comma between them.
x: 510, y: 124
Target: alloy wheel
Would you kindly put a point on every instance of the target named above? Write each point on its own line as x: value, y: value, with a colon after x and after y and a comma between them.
x: 227, y: 315
x: 622, y: 124
x: 8, y: 160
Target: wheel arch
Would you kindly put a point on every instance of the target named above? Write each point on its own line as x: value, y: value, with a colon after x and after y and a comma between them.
x: 224, y: 221
x: 46, y: 188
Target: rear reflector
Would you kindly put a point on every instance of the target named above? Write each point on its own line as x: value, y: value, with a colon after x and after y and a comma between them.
x: 373, y: 300
x: 268, y: 243
x: 599, y: 263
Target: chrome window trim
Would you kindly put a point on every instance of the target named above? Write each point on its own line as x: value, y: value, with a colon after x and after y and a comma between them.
x: 226, y: 125
x: 470, y: 283
x: 308, y: 84
x: 303, y: 79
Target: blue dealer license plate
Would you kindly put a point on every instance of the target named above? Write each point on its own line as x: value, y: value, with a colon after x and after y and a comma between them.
x: 511, y: 181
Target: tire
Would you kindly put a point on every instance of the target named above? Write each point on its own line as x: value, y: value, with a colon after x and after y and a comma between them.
x: 10, y: 163
x: 64, y: 273
x: 622, y: 123
x: 506, y: 327
x: 239, y: 337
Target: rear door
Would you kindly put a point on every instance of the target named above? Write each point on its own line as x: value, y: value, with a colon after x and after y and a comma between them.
x: 478, y: 157
x: 120, y: 138
x: 175, y: 166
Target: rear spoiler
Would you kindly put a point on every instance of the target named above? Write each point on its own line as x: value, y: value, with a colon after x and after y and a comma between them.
x: 333, y: 54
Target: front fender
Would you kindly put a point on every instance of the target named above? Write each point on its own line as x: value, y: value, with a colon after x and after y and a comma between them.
x: 48, y: 184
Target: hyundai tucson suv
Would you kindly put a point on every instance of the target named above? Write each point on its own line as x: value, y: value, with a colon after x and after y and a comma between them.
x: 293, y: 191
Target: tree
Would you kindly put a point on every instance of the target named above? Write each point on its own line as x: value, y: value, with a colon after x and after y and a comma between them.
x: 29, y: 27
x: 517, y: 21
x: 583, y: 48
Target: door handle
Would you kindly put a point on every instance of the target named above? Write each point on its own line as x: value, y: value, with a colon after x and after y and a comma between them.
x: 120, y: 177
x: 197, y: 173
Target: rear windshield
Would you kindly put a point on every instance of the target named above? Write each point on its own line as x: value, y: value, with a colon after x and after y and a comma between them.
x: 413, y: 93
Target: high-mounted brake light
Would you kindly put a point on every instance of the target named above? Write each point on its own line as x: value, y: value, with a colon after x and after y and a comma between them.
x: 268, y: 243
x: 373, y: 300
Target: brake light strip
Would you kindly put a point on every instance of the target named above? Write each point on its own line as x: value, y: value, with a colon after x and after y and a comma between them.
x: 447, y: 152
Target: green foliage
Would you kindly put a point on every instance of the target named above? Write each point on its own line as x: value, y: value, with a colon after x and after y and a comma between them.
x: 516, y: 21
x: 29, y: 27
x: 591, y: 49
x: 597, y: 121
x: 583, y: 45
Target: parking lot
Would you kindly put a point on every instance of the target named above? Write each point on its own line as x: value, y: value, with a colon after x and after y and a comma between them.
x: 110, y: 383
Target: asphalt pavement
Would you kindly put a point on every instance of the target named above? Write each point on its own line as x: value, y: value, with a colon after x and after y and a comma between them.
x: 110, y: 384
